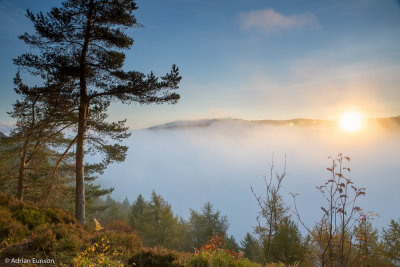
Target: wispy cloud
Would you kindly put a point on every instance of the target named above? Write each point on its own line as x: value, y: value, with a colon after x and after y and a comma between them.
x: 11, y: 13
x: 270, y: 21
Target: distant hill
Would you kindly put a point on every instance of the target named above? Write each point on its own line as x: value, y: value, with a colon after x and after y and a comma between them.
x: 390, y: 122
x: 2, y: 135
x: 209, y: 122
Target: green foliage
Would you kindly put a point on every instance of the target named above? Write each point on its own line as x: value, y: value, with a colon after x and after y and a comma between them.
x: 230, y: 243
x: 205, y: 224
x: 71, y: 237
x: 286, y: 245
x: 57, y: 215
x: 137, y: 211
x: 391, y: 242
x: 366, y: 244
x: 29, y: 231
x: 119, y: 227
x: 37, y: 143
x: 157, y: 225
x: 155, y: 257
x: 31, y: 217
x: 124, y: 242
x: 125, y: 209
x: 251, y: 248
x: 11, y: 231
x: 219, y: 258
x: 93, y: 193
x: 112, y: 212
x: 77, y: 51
x: 43, y: 239
x: 100, y: 253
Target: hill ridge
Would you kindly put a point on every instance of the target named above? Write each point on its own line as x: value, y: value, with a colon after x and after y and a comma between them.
x: 201, y: 123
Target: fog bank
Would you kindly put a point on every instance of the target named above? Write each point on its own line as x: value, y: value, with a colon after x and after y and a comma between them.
x: 219, y: 161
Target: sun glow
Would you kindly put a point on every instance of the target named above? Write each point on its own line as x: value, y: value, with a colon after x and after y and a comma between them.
x: 351, y: 121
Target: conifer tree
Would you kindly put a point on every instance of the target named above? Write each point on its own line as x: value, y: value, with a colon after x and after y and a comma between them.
x: 203, y: 225
x: 286, y: 245
x: 38, y: 129
x: 391, y: 241
x: 137, y: 211
x: 251, y: 248
x: 156, y: 223
x: 81, y: 43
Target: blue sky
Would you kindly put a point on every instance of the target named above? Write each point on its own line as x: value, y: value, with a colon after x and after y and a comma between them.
x: 250, y: 59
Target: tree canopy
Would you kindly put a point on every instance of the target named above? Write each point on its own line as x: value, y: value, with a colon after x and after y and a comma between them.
x: 78, y: 51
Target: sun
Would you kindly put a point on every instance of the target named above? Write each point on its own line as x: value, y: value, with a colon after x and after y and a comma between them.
x: 351, y: 121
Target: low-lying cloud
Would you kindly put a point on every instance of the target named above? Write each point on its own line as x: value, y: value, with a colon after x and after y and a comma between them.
x: 219, y: 161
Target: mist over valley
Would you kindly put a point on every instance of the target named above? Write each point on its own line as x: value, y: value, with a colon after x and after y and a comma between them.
x: 193, y: 162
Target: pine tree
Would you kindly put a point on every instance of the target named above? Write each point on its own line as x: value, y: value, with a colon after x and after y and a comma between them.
x: 391, y: 241
x: 286, y: 245
x: 251, y: 248
x: 113, y: 211
x: 81, y: 43
x: 205, y: 224
x: 137, y: 211
x: 125, y: 209
x: 156, y: 223
x: 39, y: 130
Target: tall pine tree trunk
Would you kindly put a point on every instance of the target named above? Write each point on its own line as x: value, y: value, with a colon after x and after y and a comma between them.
x: 80, y: 165
x: 82, y: 121
x: 21, y: 177
x: 21, y: 171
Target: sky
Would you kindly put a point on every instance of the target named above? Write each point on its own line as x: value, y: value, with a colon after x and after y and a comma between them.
x: 249, y: 59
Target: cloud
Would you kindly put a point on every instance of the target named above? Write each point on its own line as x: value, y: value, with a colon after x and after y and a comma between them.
x: 270, y: 21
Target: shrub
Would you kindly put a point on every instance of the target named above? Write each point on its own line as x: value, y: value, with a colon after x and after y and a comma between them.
x: 30, y: 217
x: 69, y: 237
x: 100, y: 253
x: 43, y: 239
x: 4, y: 198
x: 70, y: 243
x: 119, y: 227
x: 219, y: 258
x: 11, y: 230
x: 212, y: 254
x: 155, y: 257
x: 12, y: 252
x: 57, y: 215
x: 9, y: 200
x: 128, y: 240
x: 199, y: 260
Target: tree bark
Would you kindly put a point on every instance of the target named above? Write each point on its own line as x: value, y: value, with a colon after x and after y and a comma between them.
x: 21, y: 176
x: 80, y: 166
x: 82, y: 121
x: 22, y: 156
x: 21, y: 171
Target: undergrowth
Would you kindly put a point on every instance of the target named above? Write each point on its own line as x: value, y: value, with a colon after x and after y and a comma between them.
x: 28, y: 231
